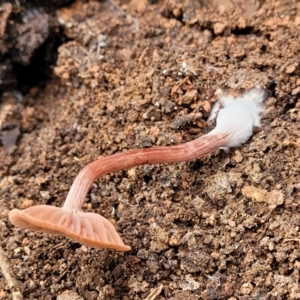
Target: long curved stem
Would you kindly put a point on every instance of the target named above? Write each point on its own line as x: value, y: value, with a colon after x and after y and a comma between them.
x: 128, y: 159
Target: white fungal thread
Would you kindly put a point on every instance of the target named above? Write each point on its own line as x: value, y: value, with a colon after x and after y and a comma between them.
x: 238, y: 116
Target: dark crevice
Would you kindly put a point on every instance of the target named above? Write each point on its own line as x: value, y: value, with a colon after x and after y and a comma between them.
x: 289, y: 105
x: 272, y: 88
x: 41, y: 64
x: 263, y: 48
x: 244, y: 31
x: 268, y: 36
x: 178, y: 18
x: 29, y: 51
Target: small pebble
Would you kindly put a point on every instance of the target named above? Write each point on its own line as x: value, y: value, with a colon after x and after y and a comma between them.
x: 45, y: 195
x: 27, y: 203
x: 231, y: 223
x: 238, y: 157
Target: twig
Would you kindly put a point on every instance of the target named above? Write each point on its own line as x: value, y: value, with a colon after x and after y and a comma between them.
x: 6, y: 269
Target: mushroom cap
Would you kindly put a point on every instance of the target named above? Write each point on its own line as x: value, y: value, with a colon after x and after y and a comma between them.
x: 89, y: 229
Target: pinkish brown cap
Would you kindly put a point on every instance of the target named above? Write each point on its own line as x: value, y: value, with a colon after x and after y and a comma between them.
x: 89, y: 229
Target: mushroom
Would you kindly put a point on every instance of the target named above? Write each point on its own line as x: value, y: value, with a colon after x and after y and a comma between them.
x: 235, y: 119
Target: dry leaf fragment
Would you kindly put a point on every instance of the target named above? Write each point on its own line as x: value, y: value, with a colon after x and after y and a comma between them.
x: 154, y: 292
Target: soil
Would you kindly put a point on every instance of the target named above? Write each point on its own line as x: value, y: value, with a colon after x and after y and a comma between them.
x: 133, y: 74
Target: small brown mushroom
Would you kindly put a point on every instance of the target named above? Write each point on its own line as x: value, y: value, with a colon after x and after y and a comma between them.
x: 235, y: 123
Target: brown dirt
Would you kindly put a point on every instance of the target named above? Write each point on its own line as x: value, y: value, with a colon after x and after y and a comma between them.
x: 140, y: 73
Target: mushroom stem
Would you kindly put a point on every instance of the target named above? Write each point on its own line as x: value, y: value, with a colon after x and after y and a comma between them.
x: 125, y: 160
x: 235, y: 119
